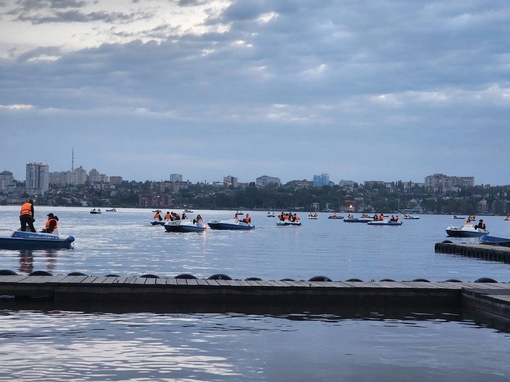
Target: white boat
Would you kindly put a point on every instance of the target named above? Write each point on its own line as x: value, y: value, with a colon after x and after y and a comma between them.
x: 185, y: 225
x: 288, y: 223
x: 411, y: 217
x: 467, y: 230
x: 230, y: 224
x: 385, y: 222
x: 270, y: 214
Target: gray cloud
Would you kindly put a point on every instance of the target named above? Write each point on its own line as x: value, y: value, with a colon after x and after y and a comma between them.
x: 387, y: 90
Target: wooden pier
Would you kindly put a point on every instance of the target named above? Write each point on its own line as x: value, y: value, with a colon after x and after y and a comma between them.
x: 481, y: 251
x: 130, y: 294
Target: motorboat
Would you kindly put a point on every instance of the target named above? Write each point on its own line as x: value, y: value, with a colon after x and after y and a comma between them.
x: 352, y: 219
x: 467, y: 230
x: 493, y: 240
x: 184, y: 226
x: 458, y: 217
x: 111, y: 210
x: 288, y: 223
x: 270, y: 214
x: 335, y: 216
x: 314, y: 216
x: 385, y: 222
x: 411, y: 217
x: 95, y: 211
x: 230, y: 224
x: 35, y: 240
x: 158, y: 222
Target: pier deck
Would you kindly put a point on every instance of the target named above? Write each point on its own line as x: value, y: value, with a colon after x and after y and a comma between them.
x: 129, y: 293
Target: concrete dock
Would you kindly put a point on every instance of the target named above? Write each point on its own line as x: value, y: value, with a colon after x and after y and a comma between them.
x: 149, y: 293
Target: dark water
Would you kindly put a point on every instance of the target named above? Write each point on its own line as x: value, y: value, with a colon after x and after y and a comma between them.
x: 40, y: 345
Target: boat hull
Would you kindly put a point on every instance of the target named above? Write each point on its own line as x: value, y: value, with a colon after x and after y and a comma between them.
x: 288, y: 224
x: 379, y: 222
x: 230, y: 225
x: 465, y: 231
x: 493, y: 240
x: 357, y: 220
x: 35, y: 240
x: 184, y: 226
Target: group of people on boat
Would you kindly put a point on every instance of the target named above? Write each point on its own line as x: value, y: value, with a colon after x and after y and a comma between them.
x: 313, y: 216
x: 293, y: 217
x: 26, y: 219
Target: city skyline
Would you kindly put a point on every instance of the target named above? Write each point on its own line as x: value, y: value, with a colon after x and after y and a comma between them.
x: 384, y: 90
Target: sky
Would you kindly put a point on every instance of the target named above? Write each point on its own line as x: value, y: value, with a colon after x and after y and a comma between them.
x: 361, y: 90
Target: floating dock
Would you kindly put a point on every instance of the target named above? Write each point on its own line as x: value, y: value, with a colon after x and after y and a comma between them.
x: 481, y: 251
x: 150, y: 293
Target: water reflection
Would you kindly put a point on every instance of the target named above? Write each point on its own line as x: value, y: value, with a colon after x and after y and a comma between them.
x: 26, y: 260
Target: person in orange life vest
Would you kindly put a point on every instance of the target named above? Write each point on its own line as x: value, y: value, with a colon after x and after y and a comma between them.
x: 247, y: 219
x: 167, y: 216
x: 51, y: 223
x: 26, y: 216
x: 157, y: 216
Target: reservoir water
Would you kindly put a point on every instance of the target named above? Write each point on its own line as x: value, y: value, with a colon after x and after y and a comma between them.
x: 232, y: 346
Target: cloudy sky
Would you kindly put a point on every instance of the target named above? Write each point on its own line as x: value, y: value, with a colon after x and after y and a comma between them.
x: 362, y: 90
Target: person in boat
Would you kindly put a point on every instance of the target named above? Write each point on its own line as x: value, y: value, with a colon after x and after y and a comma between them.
x: 381, y: 217
x: 168, y: 216
x: 51, y: 224
x: 295, y: 218
x: 157, y: 215
x: 247, y: 219
x: 175, y: 216
x: 26, y: 216
x: 480, y: 224
x: 376, y: 217
x: 198, y: 219
x: 236, y: 217
x: 184, y: 217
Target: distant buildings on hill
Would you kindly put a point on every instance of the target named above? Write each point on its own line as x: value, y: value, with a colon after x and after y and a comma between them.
x: 39, y: 178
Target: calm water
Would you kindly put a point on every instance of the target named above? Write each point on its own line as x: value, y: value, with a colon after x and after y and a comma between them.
x: 58, y: 345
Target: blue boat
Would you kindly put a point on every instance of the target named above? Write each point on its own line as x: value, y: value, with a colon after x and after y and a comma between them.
x: 494, y: 240
x: 35, y: 240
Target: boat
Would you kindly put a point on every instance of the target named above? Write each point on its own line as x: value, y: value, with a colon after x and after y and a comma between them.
x: 35, y: 240
x: 314, y: 216
x: 158, y: 222
x: 507, y: 218
x: 493, y: 240
x: 230, y: 224
x: 111, y: 210
x: 362, y: 219
x: 458, y: 217
x: 411, y: 217
x: 184, y: 226
x: 467, y: 230
x: 288, y: 223
x: 385, y: 222
x: 239, y: 213
x: 270, y: 214
x: 335, y: 216
x: 94, y: 211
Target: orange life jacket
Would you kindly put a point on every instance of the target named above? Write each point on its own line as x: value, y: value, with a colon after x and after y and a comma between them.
x: 26, y: 209
x: 48, y: 224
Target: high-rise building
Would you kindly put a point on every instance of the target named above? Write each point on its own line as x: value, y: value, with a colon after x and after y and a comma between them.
x: 175, y: 177
x: 265, y: 180
x: 37, y: 178
x: 6, y: 179
x: 321, y: 180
